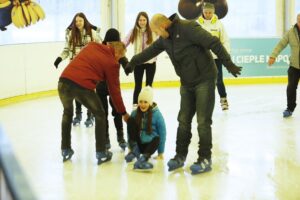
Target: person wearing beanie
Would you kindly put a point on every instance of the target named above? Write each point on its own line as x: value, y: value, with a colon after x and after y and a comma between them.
x: 210, y: 22
x: 111, y: 35
x: 101, y: 89
x: 141, y: 36
x: 147, y: 131
x: 80, y: 27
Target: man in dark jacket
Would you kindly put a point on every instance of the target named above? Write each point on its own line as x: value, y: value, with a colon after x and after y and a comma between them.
x: 94, y: 63
x: 188, y: 46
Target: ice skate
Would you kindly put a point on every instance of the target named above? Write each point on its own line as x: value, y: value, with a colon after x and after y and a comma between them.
x: 67, y: 154
x: 224, y: 103
x: 287, y: 113
x: 143, y: 164
x: 201, y: 166
x: 89, y: 122
x: 176, y: 163
x: 134, y: 153
x: 103, y: 156
x: 77, y: 120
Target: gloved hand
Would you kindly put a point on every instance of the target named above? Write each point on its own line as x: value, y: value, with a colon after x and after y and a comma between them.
x: 57, y: 61
x: 234, y: 70
x: 128, y: 69
x: 123, y: 61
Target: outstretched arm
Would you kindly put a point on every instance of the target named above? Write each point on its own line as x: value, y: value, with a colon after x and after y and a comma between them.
x: 150, y: 52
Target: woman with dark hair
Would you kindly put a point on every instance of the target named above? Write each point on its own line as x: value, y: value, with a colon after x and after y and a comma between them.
x: 141, y: 37
x: 78, y: 34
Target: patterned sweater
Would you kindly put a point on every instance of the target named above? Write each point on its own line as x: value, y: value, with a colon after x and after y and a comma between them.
x: 68, y: 49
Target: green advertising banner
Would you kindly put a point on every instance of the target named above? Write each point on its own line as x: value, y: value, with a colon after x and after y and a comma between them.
x: 253, y: 54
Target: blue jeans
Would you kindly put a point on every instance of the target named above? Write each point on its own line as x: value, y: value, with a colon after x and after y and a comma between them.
x: 199, y: 99
x: 68, y: 91
x: 220, y: 82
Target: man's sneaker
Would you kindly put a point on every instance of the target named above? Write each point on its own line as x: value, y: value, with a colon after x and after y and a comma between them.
x: 287, y: 113
x: 89, y: 122
x: 122, y: 143
x: 201, y: 166
x: 67, y: 154
x: 103, y: 156
x: 134, y: 153
x: 224, y: 103
x: 176, y: 163
x: 77, y: 120
x: 143, y: 164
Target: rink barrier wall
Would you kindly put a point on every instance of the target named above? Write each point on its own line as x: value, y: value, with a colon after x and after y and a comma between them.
x: 32, y: 72
x: 162, y: 84
x: 14, y: 183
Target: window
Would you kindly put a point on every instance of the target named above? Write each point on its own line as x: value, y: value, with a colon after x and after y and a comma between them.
x: 59, y: 14
x: 297, y: 11
x: 133, y: 7
x: 254, y: 18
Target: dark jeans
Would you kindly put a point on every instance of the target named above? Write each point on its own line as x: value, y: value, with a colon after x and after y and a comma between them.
x: 138, y: 78
x: 147, y: 149
x: 103, y: 92
x: 78, y: 109
x: 68, y: 91
x: 199, y: 99
x: 220, y: 82
x: 291, y: 91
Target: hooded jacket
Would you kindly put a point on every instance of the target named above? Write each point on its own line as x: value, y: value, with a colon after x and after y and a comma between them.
x: 216, y: 28
x: 158, y: 128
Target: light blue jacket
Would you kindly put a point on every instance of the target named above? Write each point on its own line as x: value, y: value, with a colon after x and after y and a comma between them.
x: 158, y: 128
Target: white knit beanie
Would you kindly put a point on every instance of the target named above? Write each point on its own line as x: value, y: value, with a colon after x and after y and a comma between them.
x: 146, y: 95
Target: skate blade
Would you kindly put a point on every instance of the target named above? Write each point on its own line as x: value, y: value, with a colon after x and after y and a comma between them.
x: 67, y: 158
x: 201, y: 172
x: 89, y: 125
x: 175, y: 169
x: 143, y: 170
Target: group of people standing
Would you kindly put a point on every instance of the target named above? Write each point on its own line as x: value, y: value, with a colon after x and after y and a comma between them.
x: 197, y: 49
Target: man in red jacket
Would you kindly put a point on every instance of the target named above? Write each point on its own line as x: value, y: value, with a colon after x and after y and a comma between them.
x: 94, y: 63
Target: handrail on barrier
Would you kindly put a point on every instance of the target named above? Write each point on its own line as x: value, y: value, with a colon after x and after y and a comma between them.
x: 13, y: 182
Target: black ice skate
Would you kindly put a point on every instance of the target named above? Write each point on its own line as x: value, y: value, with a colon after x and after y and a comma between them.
x: 89, y: 122
x: 77, y: 120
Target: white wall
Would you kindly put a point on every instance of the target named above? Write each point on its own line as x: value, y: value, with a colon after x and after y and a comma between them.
x: 28, y: 68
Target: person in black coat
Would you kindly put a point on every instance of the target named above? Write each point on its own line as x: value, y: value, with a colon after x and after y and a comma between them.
x: 102, y: 91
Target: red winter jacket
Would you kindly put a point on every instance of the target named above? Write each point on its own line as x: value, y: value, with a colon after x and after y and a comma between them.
x: 96, y: 62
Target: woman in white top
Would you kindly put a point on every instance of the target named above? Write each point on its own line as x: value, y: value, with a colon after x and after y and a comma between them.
x: 141, y: 37
x: 210, y: 22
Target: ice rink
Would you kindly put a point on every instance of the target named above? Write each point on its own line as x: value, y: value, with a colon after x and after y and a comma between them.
x: 256, y: 152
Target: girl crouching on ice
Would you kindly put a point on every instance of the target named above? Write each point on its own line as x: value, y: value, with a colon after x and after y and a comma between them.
x: 146, y: 131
